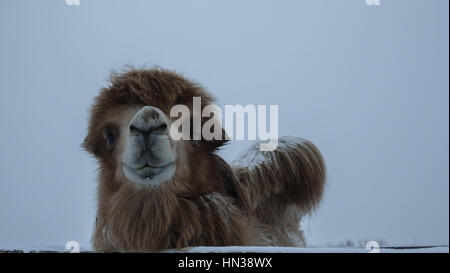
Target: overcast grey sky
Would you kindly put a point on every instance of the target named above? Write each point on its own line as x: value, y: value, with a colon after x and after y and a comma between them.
x: 368, y: 85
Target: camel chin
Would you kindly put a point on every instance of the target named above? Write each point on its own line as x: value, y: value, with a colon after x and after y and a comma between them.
x: 149, y: 176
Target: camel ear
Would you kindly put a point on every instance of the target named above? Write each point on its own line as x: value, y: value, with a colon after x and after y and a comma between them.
x: 85, y: 145
x: 213, y: 144
x: 89, y: 147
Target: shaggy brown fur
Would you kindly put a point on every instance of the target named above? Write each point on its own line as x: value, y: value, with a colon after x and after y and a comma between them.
x: 207, y: 202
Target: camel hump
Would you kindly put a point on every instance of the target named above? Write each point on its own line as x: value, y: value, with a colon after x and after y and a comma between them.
x: 293, y: 174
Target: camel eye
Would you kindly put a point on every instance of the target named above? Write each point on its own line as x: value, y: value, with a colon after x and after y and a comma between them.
x: 110, y: 138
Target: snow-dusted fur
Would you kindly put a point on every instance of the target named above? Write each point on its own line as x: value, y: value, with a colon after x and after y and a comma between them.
x: 279, y: 187
x: 259, y: 200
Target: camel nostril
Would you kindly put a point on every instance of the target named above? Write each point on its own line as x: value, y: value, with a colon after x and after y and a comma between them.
x: 134, y: 129
x: 149, y: 124
x: 158, y: 127
x: 161, y: 127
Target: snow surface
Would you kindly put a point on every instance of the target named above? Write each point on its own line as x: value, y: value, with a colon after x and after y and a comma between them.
x: 249, y: 249
x: 255, y: 249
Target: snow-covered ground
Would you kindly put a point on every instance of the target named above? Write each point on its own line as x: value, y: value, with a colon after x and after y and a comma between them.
x: 240, y: 249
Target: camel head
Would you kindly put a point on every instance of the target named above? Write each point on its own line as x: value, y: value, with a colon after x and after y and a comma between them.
x: 129, y: 134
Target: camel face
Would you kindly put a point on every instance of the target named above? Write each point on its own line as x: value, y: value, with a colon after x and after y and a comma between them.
x: 149, y: 154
